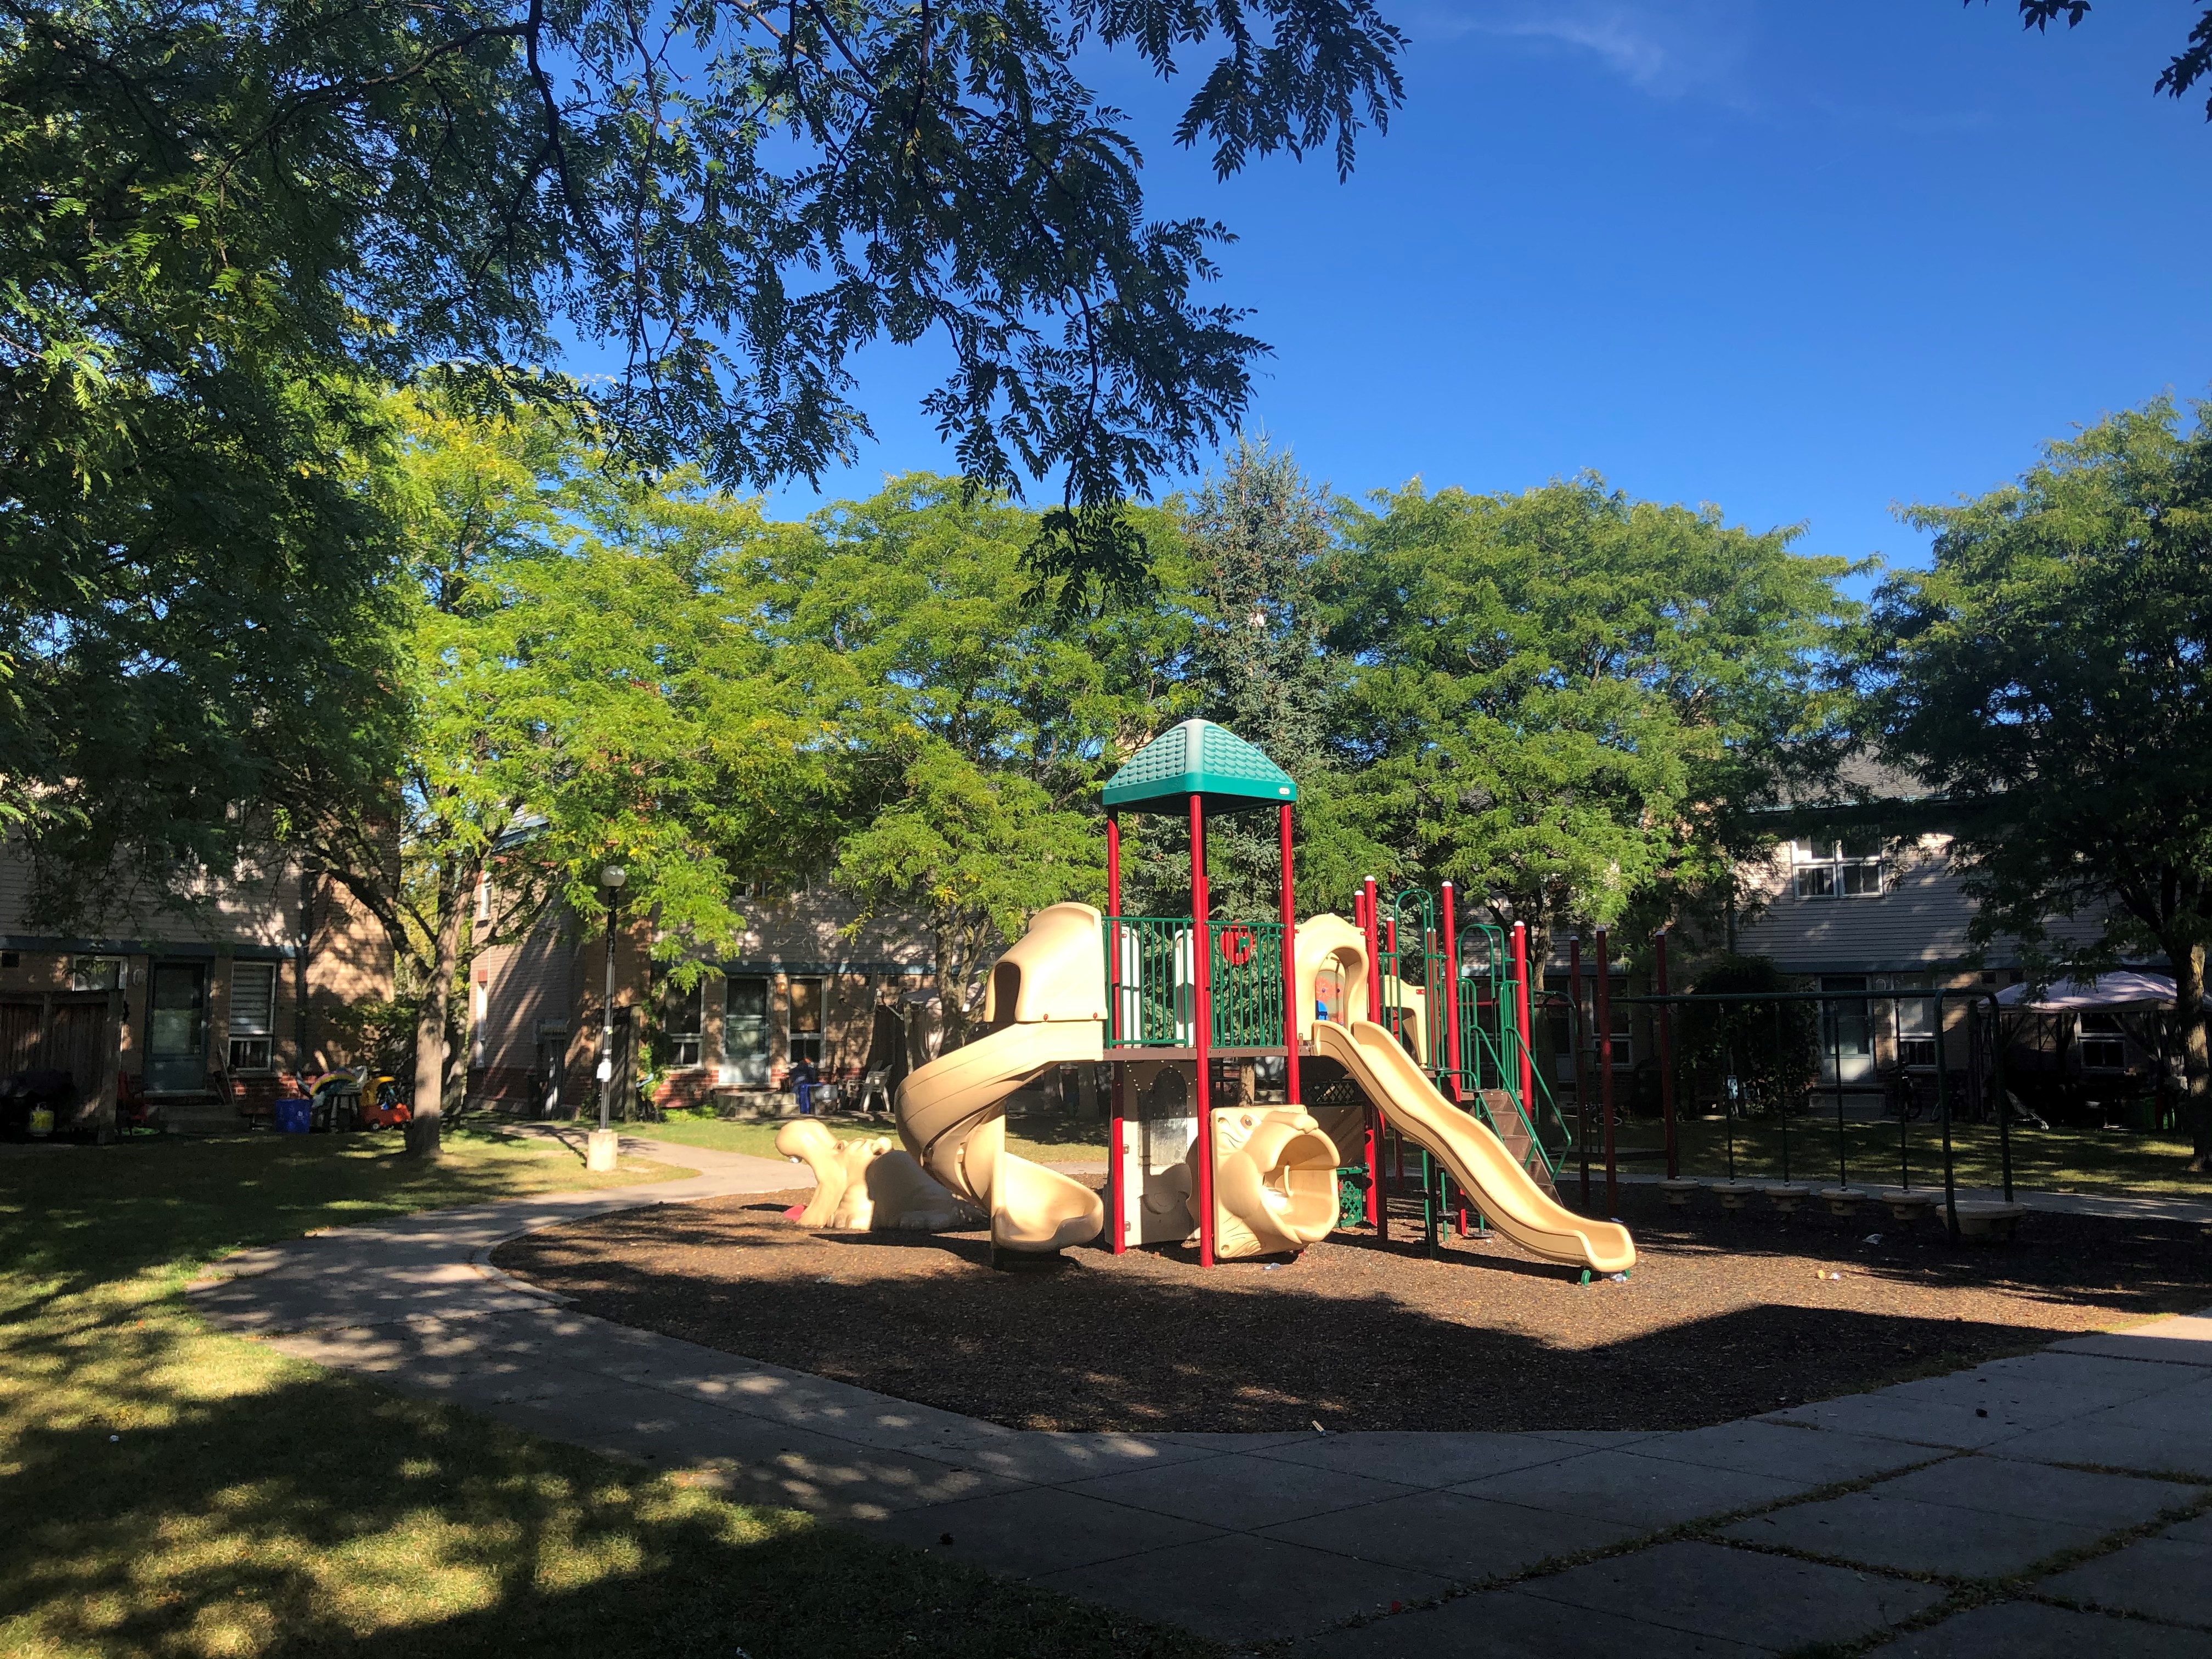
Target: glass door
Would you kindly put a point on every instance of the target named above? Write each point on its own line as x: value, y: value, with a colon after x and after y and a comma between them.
x: 176, y: 1028
x: 744, y: 1033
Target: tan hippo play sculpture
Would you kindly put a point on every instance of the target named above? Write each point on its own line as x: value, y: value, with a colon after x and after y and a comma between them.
x: 868, y: 1185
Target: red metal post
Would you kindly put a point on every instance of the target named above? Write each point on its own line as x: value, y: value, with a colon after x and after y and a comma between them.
x: 1666, y: 1051
x: 1202, y: 1033
x: 1374, y: 959
x: 1605, y: 1071
x: 1293, y: 1012
x: 1576, y: 1042
x: 1117, y: 1200
x: 1451, y: 994
x: 1521, y: 1021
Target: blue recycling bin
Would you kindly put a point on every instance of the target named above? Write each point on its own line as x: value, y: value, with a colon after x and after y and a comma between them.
x: 293, y: 1117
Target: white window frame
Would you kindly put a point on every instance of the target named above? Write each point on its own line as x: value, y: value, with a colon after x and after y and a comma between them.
x: 1917, y: 1013
x: 731, y: 1017
x: 1828, y: 872
x: 2109, y: 1037
x: 252, y: 1047
x: 793, y: 1036
x: 96, y: 973
x: 685, y: 1047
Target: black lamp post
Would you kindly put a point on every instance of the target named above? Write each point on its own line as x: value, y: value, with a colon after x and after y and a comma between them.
x: 611, y: 879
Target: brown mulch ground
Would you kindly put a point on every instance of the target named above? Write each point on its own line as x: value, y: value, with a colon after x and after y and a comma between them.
x: 1724, y: 1315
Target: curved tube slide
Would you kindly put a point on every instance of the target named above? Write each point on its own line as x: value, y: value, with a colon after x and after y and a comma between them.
x: 1477, y: 1159
x: 1046, y: 1007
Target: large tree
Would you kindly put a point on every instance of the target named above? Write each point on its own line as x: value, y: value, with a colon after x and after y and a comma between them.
x: 1244, y: 583
x: 722, y: 202
x: 222, y: 220
x: 2047, y: 676
x: 971, y: 726
x: 579, y: 681
x: 1559, y: 696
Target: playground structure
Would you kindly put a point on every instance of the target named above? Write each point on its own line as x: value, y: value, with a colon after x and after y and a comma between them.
x: 865, y: 1185
x: 1380, y: 1041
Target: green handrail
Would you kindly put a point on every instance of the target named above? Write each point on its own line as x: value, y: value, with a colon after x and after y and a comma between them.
x: 1150, y: 999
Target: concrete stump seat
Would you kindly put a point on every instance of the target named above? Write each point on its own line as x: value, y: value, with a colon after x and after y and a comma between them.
x: 1980, y: 1218
x: 1908, y: 1204
x: 1787, y: 1196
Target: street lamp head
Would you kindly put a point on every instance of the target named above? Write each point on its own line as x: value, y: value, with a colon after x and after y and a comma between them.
x: 613, y: 877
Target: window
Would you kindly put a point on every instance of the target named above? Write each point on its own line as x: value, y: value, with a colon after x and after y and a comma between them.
x: 744, y: 1019
x: 1916, y: 1031
x: 95, y: 973
x: 1620, y: 1017
x: 679, y: 1023
x: 1624, y: 1042
x: 2104, y: 1045
x: 253, y: 1014
x: 805, y: 1028
x: 1826, y: 869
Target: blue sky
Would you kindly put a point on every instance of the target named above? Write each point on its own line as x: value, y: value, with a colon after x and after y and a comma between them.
x: 1803, y: 262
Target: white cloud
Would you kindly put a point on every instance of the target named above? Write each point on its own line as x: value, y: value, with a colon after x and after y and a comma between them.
x: 1665, y: 51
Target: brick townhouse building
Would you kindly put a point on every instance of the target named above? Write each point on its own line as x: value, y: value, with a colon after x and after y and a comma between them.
x: 198, y: 1011
x: 1881, y: 920
x: 803, y: 982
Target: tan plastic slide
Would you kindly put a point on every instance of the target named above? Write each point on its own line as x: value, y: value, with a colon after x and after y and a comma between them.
x: 1477, y: 1159
x: 1046, y: 1007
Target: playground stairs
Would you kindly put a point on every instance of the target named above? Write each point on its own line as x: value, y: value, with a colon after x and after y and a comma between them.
x: 1505, y: 1118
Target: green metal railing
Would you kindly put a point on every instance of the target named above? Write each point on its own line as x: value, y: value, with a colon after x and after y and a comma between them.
x: 1411, y: 959
x: 1152, y: 1000
x: 1492, y: 1048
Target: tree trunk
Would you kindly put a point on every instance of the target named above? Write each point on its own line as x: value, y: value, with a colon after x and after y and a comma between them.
x: 2188, y: 964
x: 951, y: 990
x: 423, y: 1130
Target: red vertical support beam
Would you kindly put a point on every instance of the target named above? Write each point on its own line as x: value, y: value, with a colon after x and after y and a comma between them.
x: 1374, y: 956
x: 1666, y: 1051
x: 1451, y: 1019
x: 1378, y: 1210
x: 1117, y: 1199
x: 1605, y: 1071
x: 1579, y: 1043
x: 1201, y: 1032
x: 1292, y: 998
x: 1451, y: 994
x: 1521, y: 1021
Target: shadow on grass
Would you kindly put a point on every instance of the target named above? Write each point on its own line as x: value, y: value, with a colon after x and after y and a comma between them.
x: 154, y: 1511
x: 169, y: 1491
x: 87, y: 1215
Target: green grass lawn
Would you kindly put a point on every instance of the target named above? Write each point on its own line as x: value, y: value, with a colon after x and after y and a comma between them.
x: 2043, y: 1160
x: 1043, y: 1139
x: 168, y: 1490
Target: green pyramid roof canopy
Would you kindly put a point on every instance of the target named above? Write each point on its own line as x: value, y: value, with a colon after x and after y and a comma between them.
x: 1199, y: 758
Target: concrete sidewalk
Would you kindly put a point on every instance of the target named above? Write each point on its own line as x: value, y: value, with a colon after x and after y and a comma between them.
x: 2059, y: 1502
